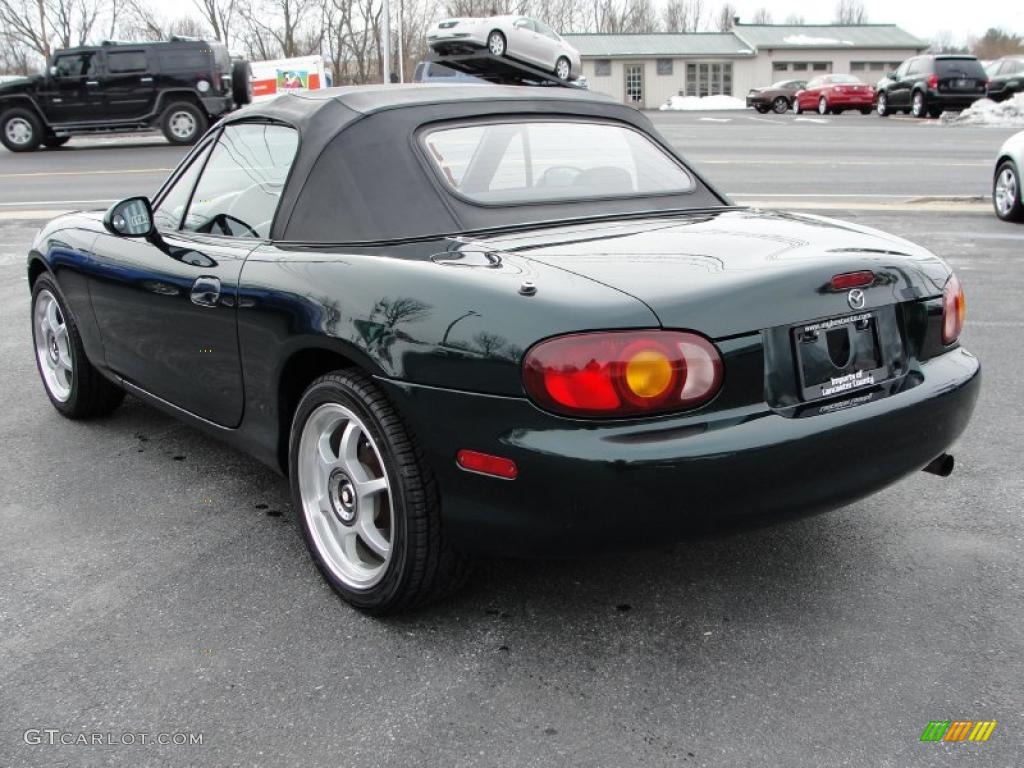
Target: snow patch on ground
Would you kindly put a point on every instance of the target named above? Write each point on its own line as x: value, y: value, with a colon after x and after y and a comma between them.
x: 809, y: 40
x: 702, y: 103
x: 988, y: 112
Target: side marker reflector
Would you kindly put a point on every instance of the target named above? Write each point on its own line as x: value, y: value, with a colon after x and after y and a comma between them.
x: 486, y: 464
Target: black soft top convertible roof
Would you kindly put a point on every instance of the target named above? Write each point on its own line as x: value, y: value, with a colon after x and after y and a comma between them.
x: 360, y: 176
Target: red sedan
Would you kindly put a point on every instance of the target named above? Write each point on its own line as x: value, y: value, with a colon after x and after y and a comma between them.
x: 831, y: 94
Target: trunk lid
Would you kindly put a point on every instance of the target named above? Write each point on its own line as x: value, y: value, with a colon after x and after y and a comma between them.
x: 736, y: 271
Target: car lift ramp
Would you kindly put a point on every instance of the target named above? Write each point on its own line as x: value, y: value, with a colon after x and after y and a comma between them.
x: 501, y: 70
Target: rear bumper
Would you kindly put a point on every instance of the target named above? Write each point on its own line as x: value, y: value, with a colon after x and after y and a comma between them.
x: 216, y: 106
x: 586, y: 486
x: 939, y: 100
x: 851, y: 100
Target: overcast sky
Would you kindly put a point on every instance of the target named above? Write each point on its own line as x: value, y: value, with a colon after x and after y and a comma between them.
x: 923, y: 18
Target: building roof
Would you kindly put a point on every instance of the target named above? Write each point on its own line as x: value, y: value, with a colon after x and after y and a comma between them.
x: 827, y: 36
x: 659, y: 44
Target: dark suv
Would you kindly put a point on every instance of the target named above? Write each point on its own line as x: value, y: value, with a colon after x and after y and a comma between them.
x: 178, y: 86
x: 1006, y: 77
x: 928, y: 85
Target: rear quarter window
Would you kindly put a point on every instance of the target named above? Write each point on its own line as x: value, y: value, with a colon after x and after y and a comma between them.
x: 187, y: 60
x: 551, y: 161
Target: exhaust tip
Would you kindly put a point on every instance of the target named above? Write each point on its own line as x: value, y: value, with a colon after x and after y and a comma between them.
x: 942, y: 465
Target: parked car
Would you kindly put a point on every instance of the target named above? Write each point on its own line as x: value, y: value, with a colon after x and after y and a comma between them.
x: 529, y: 327
x: 777, y: 97
x: 435, y: 72
x: 1006, y: 77
x: 926, y: 86
x: 1007, y: 196
x: 516, y: 37
x: 179, y: 86
x: 834, y: 94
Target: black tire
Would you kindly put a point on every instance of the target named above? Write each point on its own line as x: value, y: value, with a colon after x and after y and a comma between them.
x: 423, y: 566
x: 866, y: 111
x: 763, y: 109
x: 53, y: 142
x: 1016, y: 210
x: 918, y: 105
x: 934, y: 112
x: 241, y: 83
x: 172, y: 123
x: 781, y: 105
x: 823, y: 108
x: 568, y: 69
x: 882, y: 106
x: 91, y: 393
x: 21, y: 130
x: 495, y: 41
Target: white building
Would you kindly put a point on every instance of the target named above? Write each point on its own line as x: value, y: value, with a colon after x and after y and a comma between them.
x: 646, y: 69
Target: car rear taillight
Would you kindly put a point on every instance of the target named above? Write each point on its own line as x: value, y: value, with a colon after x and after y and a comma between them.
x: 933, y: 81
x: 622, y: 373
x: 954, y: 309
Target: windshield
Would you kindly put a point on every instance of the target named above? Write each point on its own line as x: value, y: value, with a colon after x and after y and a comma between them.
x: 549, y: 161
x: 784, y: 84
x: 959, y: 68
x: 844, y: 79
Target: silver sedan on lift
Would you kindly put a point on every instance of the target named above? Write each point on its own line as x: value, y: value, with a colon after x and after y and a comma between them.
x: 515, y: 37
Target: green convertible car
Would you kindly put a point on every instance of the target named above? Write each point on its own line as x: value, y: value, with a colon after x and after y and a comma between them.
x: 500, y: 319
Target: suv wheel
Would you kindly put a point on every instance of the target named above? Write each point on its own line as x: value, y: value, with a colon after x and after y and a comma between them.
x: 241, y: 83
x: 1006, y: 193
x: 883, y: 104
x: 183, y: 123
x: 366, y: 500
x: 20, y: 130
x: 917, y: 105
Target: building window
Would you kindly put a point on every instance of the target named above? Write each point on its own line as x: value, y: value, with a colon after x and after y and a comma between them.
x: 780, y: 66
x: 664, y: 66
x: 709, y: 79
x: 602, y: 67
x: 874, y: 66
x: 804, y: 66
x: 858, y: 66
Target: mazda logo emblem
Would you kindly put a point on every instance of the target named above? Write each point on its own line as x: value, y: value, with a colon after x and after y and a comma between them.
x: 856, y: 298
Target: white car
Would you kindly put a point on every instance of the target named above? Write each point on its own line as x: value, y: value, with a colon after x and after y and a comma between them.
x: 1006, y: 183
x: 516, y: 37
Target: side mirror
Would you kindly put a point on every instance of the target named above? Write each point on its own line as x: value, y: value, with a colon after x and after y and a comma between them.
x: 891, y: 76
x: 132, y: 217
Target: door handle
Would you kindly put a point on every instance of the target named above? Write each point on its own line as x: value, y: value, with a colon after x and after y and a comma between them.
x: 206, y: 291
x: 92, y: 82
x: 146, y: 80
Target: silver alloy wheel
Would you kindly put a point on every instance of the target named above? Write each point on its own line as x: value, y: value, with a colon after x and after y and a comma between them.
x: 781, y: 106
x: 496, y: 44
x: 822, y: 106
x: 1006, y: 191
x: 882, y: 103
x: 562, y: 69
x: 346, y: 495
x: 182, y: 124
x: 918, y: 105
x: 53, y: 346
x: 19, y: 131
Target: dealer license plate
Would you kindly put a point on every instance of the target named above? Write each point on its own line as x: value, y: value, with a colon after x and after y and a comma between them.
x: 839, y: 355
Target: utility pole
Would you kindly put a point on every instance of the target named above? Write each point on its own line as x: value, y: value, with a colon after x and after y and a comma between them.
x: 401, y: 37
x: 386, y: 43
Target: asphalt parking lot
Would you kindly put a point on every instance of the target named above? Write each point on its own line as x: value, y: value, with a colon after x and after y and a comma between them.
x: 152, y: 581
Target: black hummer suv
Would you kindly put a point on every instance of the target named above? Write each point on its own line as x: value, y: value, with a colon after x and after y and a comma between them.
x: 178, y: 86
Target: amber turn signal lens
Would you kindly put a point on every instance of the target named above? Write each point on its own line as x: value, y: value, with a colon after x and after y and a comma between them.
x: 648, y: 373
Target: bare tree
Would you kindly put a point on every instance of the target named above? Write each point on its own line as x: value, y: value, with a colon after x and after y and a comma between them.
x: 795, y: 19
x: 285, y: 28
x: 851, y: 12
x: 683, y: 15
x: 725, y: 18
x: 762, y: 16
x: 218, y: 15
